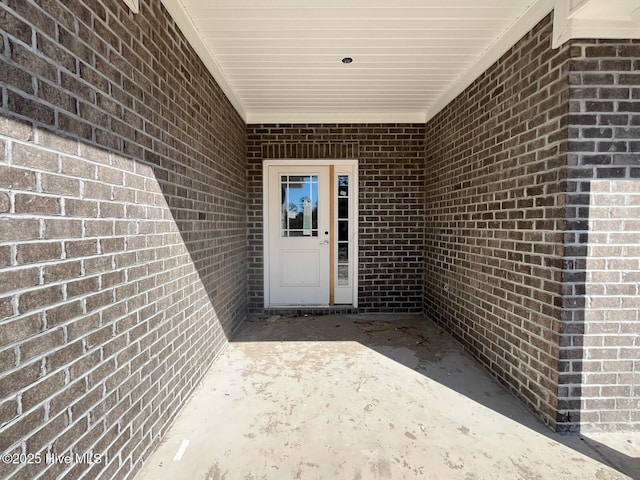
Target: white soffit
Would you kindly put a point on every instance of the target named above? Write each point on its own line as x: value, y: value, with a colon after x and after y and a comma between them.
x: 279, y: 61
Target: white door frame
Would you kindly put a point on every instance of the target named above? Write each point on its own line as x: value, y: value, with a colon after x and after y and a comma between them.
x: 353, y: 165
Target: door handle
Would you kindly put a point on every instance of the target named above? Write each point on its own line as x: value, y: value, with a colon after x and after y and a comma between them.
x: 324, y: 242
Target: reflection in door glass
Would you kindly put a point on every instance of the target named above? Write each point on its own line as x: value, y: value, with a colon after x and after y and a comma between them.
x: 343, y: 252
x: 343, y: 274
x: 343, y: 230
x: 299, y: 198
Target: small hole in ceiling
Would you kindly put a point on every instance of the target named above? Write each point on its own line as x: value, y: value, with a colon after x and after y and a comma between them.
x: 347, y: 60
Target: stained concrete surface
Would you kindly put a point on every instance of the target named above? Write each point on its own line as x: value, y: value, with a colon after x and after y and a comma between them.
x: 368, y: 397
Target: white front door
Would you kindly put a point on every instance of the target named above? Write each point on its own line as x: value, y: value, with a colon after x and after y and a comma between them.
x: 299, y: 235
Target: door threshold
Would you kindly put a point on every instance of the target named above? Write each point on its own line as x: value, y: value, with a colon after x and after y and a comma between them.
x: 306, y: 310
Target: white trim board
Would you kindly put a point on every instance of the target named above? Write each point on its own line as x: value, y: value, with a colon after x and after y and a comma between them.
x: 134, y: 5
x: 356, y: 117
x: 608, y: 19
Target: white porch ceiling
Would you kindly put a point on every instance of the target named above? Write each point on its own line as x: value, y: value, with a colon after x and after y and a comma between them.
x: 279, y: 61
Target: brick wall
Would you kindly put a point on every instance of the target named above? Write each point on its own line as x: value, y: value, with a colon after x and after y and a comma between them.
x: 391, y: 202
x: 600, y: 344
x: 122, y: 231
x: 495, y: 181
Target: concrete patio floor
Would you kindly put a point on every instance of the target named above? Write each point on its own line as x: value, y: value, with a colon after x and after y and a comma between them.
x: 368, y: 397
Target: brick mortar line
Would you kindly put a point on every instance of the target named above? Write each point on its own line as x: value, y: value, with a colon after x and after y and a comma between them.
x: 79, y: 218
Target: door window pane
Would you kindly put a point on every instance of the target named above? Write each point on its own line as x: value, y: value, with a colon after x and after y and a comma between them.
x: 343, y: 185
x: 299, y: 197
x: 343, y: 275
x: 343, y: 230
x: 343, y: 208
x: 343, y: 252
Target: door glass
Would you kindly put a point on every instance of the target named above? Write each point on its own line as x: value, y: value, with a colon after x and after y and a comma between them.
x: 343, y: 207
x: 299, y: 199
x: 343, y: 230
